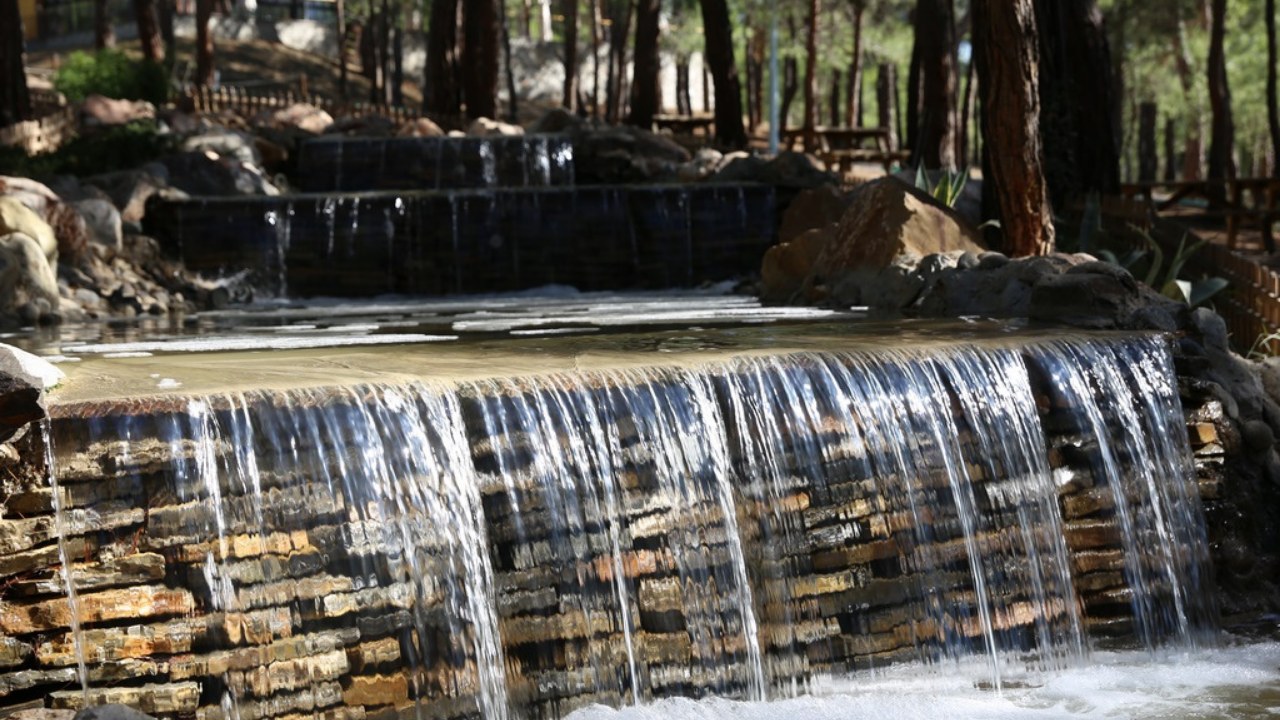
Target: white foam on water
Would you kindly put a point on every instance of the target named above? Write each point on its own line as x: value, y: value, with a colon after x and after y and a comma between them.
x: 1231, y: 682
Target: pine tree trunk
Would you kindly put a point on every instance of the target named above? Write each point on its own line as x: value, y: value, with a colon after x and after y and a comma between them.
x: 204, y: 43
x: 853, y: 102
x: 1193, y: 154
x: 1148, y: 115
x: 886, y: 105
x: 935, y: 108
x: 1221, y: 162
x: 144, y: 13
x: 570, y: 10
x: 967, y: 108
x: 166, y: 9
x: 480, y: 58
x: 835, y: 98
x: 718, y: 35
x: 646, y: 94
x: 340, y: 16
x: 1170, y: 151
x: 619, y: 30
x: 440, y: 97
x: 104, y: 31
x: 1005, y: 47
x: 397, y: 68
x: 513, y: 102
x: 1081, y: 142
x: 15, y: 98
x: 1273, y: 102
x: 790, y: 87
x: 684, y: 102
x: 811, y: 78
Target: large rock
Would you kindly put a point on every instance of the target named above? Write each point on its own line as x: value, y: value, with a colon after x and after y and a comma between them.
x: 485, y: 127
x: 28, y: 284
x: 307, y: 118
x: 113, y: 711
x: 788, y: 170
x: 129, y: 190
x: 787, y: 264
x: 105, y: 224
x: 371, y: 125
x: 102, y: 110
x: 420, y: 127
x: 624, y: 154
x: 68, y: 226
x: 880, y: 240
x: 226, y: 143
x: 202, y: 173
x: 813, y: 208
x: 18, y: 218
x: 28, y: 368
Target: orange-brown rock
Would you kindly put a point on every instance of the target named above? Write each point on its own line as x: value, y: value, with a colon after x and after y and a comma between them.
x: 890, y: 222
x: 376, y: 690
x: 787, y: 264
x: 812, y: 209
x: 122, y: 604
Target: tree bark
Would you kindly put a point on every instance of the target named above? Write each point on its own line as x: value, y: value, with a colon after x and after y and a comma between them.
x: 835, y: 98
x: 853, y: 102
x: 811, y: 78
x: 1273, y: 99
x: 144, y: 13
x: 935, y: 105
x: 1221, y: 163
x: 887, y: 107
x: 967, y: 103
x: 340, y: 15
x: 684, y: 102
x: 204, y: 43
x: 619, y: 31
x: 1193, y: 155
x: 1148, y: 162
x: 718, y: 35
x: 1005, y: 47
x: 1170, y: 151
x: 1081, y: 142
x: 570, y: 10
x: 104, y: 31
x: 441, y: 96
x: 15, y: 98
x: 166, y: 10
x: 513, y: 102
x: 646, y: 94
x: 480, y: 58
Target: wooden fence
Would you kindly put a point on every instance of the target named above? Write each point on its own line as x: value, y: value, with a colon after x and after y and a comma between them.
x: 54, y: 124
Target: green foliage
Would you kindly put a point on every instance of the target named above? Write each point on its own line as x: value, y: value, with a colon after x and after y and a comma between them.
x: 106, y: 150
x: 114, y: 74
x: 948, y: 188
x: 1168, y: 278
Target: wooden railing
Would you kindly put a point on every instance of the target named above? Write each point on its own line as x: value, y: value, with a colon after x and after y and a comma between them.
x: 1237, y: 202
x: 54, y: 124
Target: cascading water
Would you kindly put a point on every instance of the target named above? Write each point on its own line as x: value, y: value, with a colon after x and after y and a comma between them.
x: 521, y: 547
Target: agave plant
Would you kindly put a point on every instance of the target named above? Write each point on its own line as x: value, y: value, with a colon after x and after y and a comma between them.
x: 948, y: 188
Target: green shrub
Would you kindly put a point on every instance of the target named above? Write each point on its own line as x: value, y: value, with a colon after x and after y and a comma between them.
x: 111, y: 148
x: 114, y: 74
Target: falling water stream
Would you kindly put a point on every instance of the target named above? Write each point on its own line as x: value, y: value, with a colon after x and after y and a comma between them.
x: 753, y: 528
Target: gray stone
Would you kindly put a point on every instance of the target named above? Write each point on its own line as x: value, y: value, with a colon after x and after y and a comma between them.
x: 26, y: 278
x: 226, y: 143
x: 105, y: 224
x: 1257, y: 435
x: 1212, y: 328
x: 991, y: 260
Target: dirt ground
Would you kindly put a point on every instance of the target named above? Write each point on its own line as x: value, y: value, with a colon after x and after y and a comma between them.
x: 260, y: 66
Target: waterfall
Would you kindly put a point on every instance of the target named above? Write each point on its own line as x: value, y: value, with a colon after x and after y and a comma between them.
x: 522, y: 547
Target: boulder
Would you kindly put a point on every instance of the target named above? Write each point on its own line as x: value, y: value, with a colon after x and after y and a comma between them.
x: 992, y: 286
x: 786, y: 265
x: 813, y: 208
x: 68, y: 227
x: 30, y: 369
x: 101, y: 110
x: 788, y: 170
x: 1101, y: 295
x: 420, y: 127
x: 28, y: 284
x: 105, y: 225
x: 114, y: 711
x: 207, y: 174
x: 304, y: 117
x: 485, y: 127
x: 129, y: 190
x: 18, y: 218
x: 624, y: 154
x: 556, y: 120
x: 230, y: 144
x: 887, y: 230
x: 702, y: 166
x: 372, y: 125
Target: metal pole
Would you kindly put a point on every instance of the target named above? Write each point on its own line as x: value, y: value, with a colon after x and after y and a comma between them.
x: 773, y: 77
